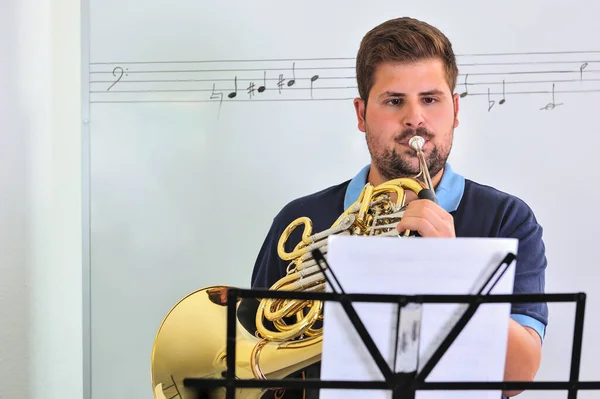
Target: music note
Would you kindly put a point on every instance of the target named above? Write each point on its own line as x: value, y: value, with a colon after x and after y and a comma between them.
x: 264, y: 86
x: 503, y: 93
x: 466, y: 92
x: 312, y: 80
x: 233, y: 93
x: 581, y: 68
x: 490, y: 101
x: 293, y: 80
x: 553, y: 104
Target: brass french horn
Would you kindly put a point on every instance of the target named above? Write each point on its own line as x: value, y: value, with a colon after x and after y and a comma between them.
x: 191, y: 340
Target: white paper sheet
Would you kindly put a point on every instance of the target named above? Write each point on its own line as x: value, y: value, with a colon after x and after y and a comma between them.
x: 392, y: 265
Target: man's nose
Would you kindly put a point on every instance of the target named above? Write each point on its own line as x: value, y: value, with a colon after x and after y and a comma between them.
x: 413, y: 116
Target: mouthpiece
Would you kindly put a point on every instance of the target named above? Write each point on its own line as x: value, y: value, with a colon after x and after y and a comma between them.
x: 416, y: 143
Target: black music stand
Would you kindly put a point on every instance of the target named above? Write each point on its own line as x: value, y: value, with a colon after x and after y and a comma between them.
x: 402, y: 385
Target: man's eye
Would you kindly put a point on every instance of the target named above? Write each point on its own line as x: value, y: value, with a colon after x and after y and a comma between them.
x: 429, y: 100
x: 395, y: 101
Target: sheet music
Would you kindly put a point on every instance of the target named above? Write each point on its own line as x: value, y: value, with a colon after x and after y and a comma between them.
x: 493, y: 80
x: 417, y: 266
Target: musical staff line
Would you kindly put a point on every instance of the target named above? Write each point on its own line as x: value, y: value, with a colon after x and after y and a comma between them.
x: 511, y: 93
x: 205, y: 90
x: 593, y: 52
x: 225, y: 70
x: 514, y: 93
x: 211, y: 101
x: 214, y: 80
x: 561, y: 74
x: 331, y: 68
x: 485, y: 83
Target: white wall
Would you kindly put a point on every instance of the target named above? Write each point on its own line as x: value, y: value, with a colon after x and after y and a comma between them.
x: 14, y: 295
x: 40, y: 200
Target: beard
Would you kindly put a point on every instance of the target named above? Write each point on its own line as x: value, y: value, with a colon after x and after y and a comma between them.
x: 392, y: 165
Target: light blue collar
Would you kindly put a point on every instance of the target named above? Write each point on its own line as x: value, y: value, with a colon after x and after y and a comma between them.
x: 449, y: 192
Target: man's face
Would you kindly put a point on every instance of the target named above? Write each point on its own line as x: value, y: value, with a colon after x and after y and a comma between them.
x: 408, y: 99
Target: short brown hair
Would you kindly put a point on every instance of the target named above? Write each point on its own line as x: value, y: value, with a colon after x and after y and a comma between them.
x: 402, y: 40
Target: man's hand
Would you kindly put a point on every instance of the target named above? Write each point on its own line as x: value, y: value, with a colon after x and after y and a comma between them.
x: 428, y: 219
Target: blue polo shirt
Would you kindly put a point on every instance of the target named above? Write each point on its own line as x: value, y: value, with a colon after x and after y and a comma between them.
x: 478, y: 211
x: 531, y: 262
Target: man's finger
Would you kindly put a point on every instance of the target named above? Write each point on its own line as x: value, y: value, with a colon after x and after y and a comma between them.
x: 419, y: 224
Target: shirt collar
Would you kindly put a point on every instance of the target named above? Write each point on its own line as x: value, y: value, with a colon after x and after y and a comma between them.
x: 449, y: 192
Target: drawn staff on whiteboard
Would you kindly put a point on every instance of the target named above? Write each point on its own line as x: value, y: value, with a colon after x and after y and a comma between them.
x: 314, y: 79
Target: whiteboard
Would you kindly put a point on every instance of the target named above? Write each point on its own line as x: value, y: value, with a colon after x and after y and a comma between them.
x: 185, y: 177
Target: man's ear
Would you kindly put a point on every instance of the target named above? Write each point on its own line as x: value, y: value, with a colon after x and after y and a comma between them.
x: 360, y: 107
x: 456, y: 106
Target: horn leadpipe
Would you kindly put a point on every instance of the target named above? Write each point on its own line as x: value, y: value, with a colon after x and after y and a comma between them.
x: 416, y: 143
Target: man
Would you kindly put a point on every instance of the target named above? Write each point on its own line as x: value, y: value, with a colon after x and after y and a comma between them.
x: 406, y: 73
